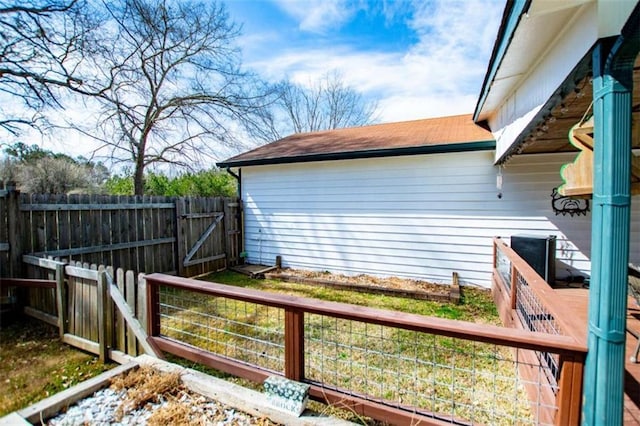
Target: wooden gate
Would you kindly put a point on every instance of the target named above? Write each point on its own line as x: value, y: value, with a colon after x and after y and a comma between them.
x: 207, y: 235
x: 189, y: 236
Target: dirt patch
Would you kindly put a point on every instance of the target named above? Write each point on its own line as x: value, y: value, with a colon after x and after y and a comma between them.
x: 395, y: 286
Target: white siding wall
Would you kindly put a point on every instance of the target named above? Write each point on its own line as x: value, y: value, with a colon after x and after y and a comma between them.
x: 416, y: 216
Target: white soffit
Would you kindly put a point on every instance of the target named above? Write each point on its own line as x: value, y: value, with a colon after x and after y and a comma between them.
x: 536, y: 33
x: 540, y: 28
x: 549, y: 6
x: 612, y: 15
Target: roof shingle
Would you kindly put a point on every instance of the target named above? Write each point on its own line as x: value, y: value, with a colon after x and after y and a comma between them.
x: 366, y: 141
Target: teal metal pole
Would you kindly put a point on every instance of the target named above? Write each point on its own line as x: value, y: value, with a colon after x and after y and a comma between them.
x: 603, y: 401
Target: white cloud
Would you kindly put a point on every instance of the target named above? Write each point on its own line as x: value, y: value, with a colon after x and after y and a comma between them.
x: 317, y: 17
x: 441, y: 74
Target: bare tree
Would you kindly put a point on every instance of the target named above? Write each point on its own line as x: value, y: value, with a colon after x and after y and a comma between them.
x: 323, y: 105
x: 174, y: 83
x: 42, y: 44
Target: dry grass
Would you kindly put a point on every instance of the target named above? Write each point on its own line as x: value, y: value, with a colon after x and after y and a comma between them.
x: 145, y: 385
x: 439, y: 374
x: 177, y: 412
x: 173, y: 413
x: 35, y: 364
x: 180, y: 406
x: 371, y: 281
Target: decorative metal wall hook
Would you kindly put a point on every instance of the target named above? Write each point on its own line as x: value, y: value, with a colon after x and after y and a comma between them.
x: 573, y: 206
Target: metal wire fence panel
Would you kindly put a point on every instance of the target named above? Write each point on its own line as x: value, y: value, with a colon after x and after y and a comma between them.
x: 454, y: 378
x: 536, y: 317
x: 385, y: 363
x: 531, y: 311
x: 242, y: 331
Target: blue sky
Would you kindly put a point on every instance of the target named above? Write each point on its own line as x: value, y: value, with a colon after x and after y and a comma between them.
x: 416, y: 58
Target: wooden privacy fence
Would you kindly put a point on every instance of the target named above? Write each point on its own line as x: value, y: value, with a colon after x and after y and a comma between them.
x: 395, y: 367
x: 188, y: 236
x: 95, y: 308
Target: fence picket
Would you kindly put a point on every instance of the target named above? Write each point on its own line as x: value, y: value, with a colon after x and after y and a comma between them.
x: 110, y: 311
x: 101, y: 314
x: 92, y: 304
x: 130, y: 295
x: 143, y: 234
x: 71, y: 309
x: 121, y: 330
x: 63, y: 224
x: 61, y: 300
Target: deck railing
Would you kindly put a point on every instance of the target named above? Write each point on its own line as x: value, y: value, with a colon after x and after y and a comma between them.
x: 526, y: 301
x: 391, y: 366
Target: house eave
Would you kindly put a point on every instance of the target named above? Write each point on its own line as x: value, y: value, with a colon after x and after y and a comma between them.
x: 510, y: 20
x: 487, y: 145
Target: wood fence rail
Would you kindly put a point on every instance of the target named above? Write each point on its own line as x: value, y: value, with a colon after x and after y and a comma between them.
x: 525, y: 301
x: 564, y: 409
x: 188, y: 236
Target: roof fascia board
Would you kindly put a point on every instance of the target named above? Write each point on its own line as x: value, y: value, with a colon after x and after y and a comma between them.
x: 507, y: 30
x: 375, y: 153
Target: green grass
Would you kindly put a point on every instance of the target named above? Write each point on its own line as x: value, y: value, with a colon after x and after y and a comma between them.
x: 468, y: 380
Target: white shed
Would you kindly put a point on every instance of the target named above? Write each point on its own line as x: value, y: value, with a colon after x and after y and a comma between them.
x: 416, y: 199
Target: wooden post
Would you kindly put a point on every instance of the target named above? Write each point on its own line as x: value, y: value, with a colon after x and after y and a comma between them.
x: 569, y: 399
x: 227, y: 230
x: 180, y: 250
x: 294, y: 344
x: 495, y: 252
x: 153, y: 310
x: 141, y: 312
x: 14, y: 223
x: 143, y: 318
x: 61, y: 299
x: 102, y: 316
x: 111, y: 329
x: 514, y: 287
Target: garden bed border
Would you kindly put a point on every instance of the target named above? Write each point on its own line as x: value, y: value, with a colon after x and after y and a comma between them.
x: 242, y: 399
x: 453, y: 295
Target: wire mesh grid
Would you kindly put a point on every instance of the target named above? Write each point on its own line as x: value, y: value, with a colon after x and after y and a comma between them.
x: 536, y: 317
x: 242, y: 331
x: 457, y: 380
x: 503, y: 266
x: 532, y: 312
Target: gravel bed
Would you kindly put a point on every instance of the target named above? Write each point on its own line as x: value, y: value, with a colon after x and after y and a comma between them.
x: 102, y: 409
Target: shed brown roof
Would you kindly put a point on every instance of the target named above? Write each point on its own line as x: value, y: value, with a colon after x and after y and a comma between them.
x: 443, y: 134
